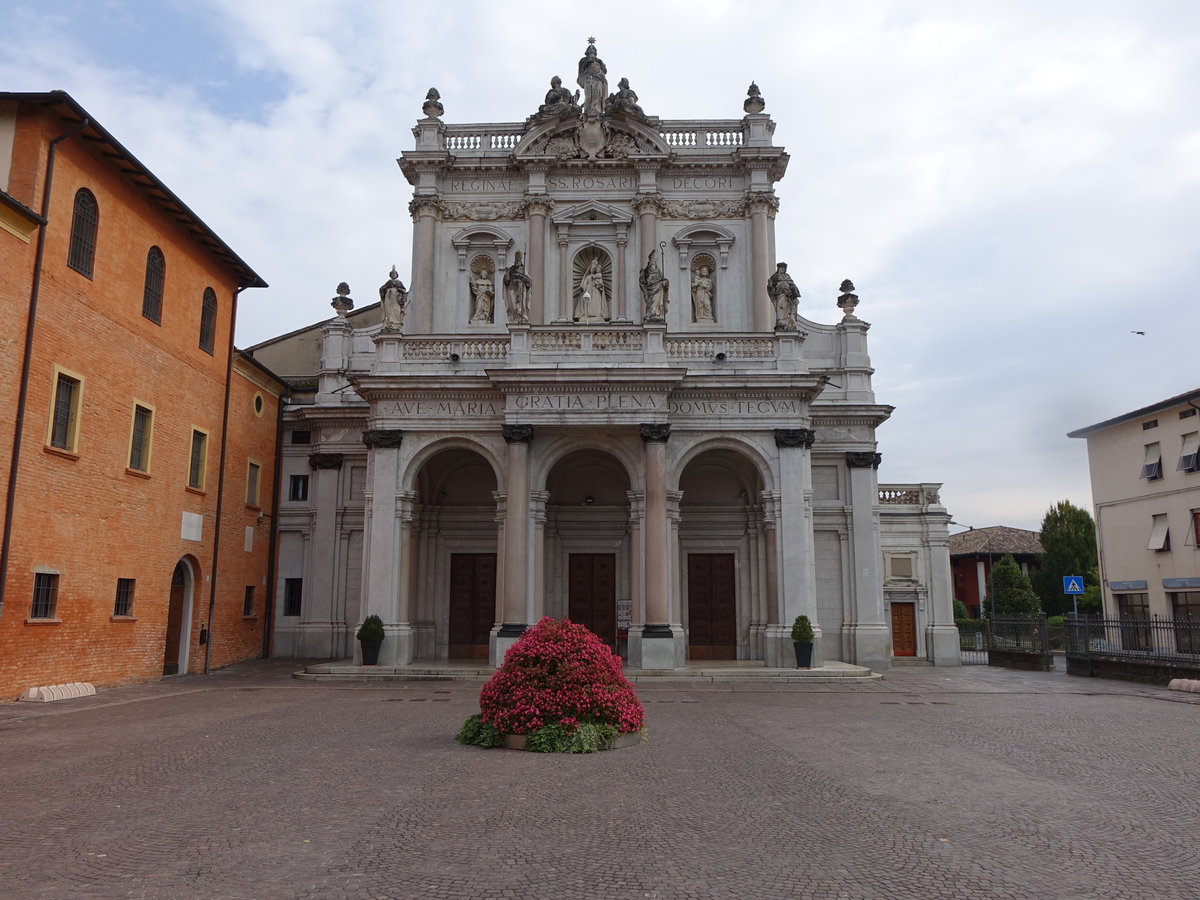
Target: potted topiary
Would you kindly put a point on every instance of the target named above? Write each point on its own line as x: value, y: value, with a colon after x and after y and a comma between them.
x: 370, y: 639
x: 802, y: 640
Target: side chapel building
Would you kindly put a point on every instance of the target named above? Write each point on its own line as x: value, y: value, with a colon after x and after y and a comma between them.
x: 589, y: 403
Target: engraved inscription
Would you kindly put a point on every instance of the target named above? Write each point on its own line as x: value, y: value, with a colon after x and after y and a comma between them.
x: 544, y: 402
x: 590, y: 182
x: 733, y: 407
x: 445, y: 408
x: 483, y: 185
x: 702, y: 183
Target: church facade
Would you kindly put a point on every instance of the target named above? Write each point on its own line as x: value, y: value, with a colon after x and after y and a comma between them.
x: 598, y: 397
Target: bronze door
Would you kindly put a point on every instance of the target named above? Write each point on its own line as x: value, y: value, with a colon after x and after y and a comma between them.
x: 592, y: 593
x: 472, y: 604
x: 712, y: 606
x: 174, y: 621
x: 904, y: 629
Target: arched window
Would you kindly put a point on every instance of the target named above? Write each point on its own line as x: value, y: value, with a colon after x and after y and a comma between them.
x: 81, y: 256
x: 208, y: 320
x: 152, y: 294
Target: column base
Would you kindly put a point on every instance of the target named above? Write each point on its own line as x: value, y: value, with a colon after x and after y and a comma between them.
x: 942, y: 646
x: 656, y: 647
x: 314, y: 640
x: 503, y: 637
x: 779, y: 652
x: 871, y: 646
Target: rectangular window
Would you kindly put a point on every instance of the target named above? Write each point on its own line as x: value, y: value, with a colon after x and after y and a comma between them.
x: 1152, y: 423
x: 64, y: 417
x: 1196, y: 528
x: 45, y: 596
x: 139, y: 439
x: 293, y: 590
x: 298, y: 487
x: 1152, y: 463
x: 1185, y: 606
x: 1189, y: 456
x: 1133, y: 608
x: 1160, y: 534
x: 253, y: 470
x: 1188, y: 413
x: 301, y: 437
x: 199, y: 459
x: 124, y: 602
x: 248, y: 601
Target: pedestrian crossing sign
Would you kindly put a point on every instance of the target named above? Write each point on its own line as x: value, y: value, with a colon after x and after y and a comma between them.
x: 1072, y: 584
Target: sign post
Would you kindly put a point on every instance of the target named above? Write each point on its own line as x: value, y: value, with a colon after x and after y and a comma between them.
x: 1073, y: 587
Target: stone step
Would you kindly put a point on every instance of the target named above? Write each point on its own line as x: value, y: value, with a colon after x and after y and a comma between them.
x: 839, y: 673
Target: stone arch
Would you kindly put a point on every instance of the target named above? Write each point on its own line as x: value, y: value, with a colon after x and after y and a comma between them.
x: 181, y: 607
x: 555, y: 449
x: 705, y: 236
x: 486, y: 238
x: 433, y: 448
x: 747, y: 448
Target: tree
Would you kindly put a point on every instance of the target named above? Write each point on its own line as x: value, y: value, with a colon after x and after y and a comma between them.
x: 1068, y: 548
x: 1011, y: 593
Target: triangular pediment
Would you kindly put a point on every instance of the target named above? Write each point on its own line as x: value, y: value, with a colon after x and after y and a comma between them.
x: 592, y: 211
x: 568, y: 136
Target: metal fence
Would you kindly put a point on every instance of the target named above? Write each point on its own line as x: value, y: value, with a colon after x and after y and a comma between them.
x: 972, y: 643
x: 1019, y: 642
x: 1144, y: 648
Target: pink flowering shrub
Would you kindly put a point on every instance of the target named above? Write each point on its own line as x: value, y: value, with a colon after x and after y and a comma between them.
x: 559, y: 673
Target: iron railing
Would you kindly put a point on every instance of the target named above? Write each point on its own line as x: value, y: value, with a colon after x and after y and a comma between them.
x: 1154, y: 639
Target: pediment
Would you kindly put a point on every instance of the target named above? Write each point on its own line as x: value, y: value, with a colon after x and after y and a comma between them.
x: 616, y: 136
x: 592, y: 211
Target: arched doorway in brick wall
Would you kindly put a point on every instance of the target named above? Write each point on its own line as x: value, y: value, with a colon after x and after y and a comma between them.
x: 179, y: 618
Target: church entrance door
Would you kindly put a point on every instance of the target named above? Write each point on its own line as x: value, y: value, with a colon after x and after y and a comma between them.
x: 592, y: 593
x: 904, y: 629
x: 179, y: 609
x: 472, y: 604
x: 712, y: 606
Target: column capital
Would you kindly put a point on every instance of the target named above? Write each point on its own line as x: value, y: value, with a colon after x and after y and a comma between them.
x: 795, y: 437
x: 517, y: 434
x: 537, y: 205
x: 655, y: 433
x: 325, y: 460
x: 766, y: 201
x: 426, y: 205
x: 863, y: 460
x: 647, y: 203
x: 383, y: 438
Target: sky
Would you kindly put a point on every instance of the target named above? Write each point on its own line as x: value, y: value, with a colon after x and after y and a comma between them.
x: 1014, y: 187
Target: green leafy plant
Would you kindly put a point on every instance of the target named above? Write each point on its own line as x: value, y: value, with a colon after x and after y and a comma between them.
x: 371, y: 629
x: 960, y: 610
x: 477, y: 733
x: 550, y: 738
x: 802, y: 631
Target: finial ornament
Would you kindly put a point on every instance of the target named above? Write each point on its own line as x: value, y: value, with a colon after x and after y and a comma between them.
x: 848, y: 300
x: 591, y: 40
x: 342, y: 303
x: 754, y: 102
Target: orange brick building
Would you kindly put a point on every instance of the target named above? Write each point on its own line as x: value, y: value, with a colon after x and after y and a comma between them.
x: 134, y: 427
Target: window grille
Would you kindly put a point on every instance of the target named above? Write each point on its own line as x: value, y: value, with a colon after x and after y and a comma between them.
x: 208, y: 320
x: 45, y: 596
x: 81, y: 255
x: 152, y: 293
x: 139, y: 441
x: 64, y: 412
x: 293, y: 590
x: 199, y: 454
x: 248, y: 601
x: 298, y: 487
x: 124, y: 602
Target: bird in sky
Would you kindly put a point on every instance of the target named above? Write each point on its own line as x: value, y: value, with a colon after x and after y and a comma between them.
x: 1142, y: 333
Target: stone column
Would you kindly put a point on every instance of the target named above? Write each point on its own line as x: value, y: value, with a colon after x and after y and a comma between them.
x: 537, y: 207
x: 516, y: 540
x: 318, y: 622
x: 383, y: 558
x: 425, y: 209
x: 647, y: 207
x: 622, y: 251
x: 658, y: 638
x: 796, y: 572
x: 869, y: 635
x: 538, y: 577
x: 564, y: 277
x: 941, y: 635
x: 760, y: 204
x: 770, y: 538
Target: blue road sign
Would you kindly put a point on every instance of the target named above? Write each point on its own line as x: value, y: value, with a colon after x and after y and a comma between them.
x: 1072, y: 584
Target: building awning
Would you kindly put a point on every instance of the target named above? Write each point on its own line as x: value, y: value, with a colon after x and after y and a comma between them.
x: 1159, y: 533
x: 1189, y: 457
x: 1152, y: 463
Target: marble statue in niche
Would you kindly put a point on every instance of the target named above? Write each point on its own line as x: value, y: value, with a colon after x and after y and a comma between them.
x: 654, y: 287
x: 483, y: 291
x: 592, y: 296
x: 593, y: 80
x: 393, y: 297
x: 516, y: 291
x: 702, y: 290
x: 784, y: 294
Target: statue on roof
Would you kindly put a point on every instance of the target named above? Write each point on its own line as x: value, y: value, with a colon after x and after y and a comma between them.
x: 393, y: 297
x: 558, y: 99
x: 625, y: 100
x: 754, y: 102
x: 433, y: 107
x: 593, y: 79
x: 784, y: 294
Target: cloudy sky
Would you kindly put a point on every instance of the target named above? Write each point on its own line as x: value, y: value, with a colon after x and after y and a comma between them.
x: 1014, y: 187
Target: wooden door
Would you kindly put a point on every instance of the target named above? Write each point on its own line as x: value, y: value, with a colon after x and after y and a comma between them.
x: 904, y: 629
x: 712, y: 606
x: 592, y: 593
x: 472, y: 604
x: 174, y: 621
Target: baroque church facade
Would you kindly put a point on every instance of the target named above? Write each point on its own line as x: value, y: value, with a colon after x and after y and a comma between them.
x: 598, y: 398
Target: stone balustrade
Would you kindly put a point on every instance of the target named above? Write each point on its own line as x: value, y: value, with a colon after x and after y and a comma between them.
x: 910, y: 495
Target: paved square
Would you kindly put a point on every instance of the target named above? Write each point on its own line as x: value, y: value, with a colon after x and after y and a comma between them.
x: 933, y: 783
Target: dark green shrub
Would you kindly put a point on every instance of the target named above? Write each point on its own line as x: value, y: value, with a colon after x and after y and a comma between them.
x: 478, y: 733
x: 371, y: 629
x: 802, y: 630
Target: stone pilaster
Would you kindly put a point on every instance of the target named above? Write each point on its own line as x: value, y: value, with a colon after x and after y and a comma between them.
x: 647, y: 206
x: 868, y: 634
x: 426, y: 209
x: 318, y: 619
x: 761, y: 204
x: 515, y: 602
x: 537, y: 207
x: 658, y: 636
x: 796, y: 567
x: 382, y: 544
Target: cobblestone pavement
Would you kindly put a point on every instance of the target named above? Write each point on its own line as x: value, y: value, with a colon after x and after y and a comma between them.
x: 968, y: 782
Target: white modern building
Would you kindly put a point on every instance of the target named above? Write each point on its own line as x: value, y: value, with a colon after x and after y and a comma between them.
x: 598, y: 398
x: 1145, y: 472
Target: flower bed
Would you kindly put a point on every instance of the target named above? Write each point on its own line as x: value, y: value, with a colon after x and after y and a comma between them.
x: 562, y: 689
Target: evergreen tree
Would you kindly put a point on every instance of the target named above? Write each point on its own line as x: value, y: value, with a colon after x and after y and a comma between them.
x: 1011, y: 594
x: 1068, y: 548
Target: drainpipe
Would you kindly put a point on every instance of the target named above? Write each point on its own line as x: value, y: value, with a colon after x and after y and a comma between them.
x: 10, y: 499
x: 216, y: 557
x: 269, y: 600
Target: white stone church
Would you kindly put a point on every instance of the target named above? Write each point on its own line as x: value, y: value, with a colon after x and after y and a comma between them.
x: 600, y: 397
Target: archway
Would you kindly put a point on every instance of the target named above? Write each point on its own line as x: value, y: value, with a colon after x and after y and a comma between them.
x: 179, y: 618
x: 456, y: 564
x: 720, y: 542
x: 588, y: 553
